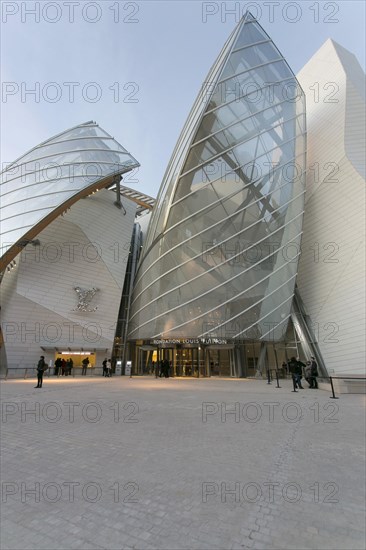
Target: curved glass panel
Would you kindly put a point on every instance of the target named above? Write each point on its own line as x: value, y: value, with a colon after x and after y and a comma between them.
x: 223, y: 244
x: 53, y: 172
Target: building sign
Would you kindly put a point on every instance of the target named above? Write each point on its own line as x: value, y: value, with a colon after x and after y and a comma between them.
x: 208, y: 341
x: 197, y: 341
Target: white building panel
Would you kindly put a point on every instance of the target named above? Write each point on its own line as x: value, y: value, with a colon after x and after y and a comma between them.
x: 87, y: 247
x: 331, y: 277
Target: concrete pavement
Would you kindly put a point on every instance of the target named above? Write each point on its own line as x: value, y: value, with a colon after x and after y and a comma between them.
x: 151, y: 463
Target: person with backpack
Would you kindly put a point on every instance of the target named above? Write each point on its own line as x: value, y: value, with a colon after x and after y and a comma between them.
x: 41, y: 367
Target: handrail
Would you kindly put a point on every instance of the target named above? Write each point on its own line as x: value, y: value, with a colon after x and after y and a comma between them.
x: 24, y: 372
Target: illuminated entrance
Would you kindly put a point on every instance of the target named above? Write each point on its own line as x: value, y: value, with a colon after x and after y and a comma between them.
x: 222, y: 357
x: 60, y: 356
x: 69, y: 363
x: 187, y: 358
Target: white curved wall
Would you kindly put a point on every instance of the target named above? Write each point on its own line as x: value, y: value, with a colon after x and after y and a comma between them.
x: 38, y: 296
x: 331, y: 277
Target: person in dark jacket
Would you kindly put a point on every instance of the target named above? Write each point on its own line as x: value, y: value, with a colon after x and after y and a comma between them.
x: 63, y: 367
x: 41, y: 367
x: 166, y: 368
x: 161, y: 368
x: 299, y: 373
x: 314, y: 373
x: 71, y: 366
x: 295, y: 369
x: 85, y: 363
x: 58, y: 364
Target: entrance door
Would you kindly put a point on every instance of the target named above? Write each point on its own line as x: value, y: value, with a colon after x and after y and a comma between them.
x: 220, y: 362
x: 186, y: 362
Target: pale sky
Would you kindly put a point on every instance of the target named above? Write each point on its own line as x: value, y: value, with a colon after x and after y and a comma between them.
x: 137, y: 67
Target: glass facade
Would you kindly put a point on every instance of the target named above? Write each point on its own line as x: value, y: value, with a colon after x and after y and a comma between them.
x: 49, y: 175
x: 221, y: 252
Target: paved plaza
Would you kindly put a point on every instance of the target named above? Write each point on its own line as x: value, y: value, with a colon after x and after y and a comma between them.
x: 151, y: 463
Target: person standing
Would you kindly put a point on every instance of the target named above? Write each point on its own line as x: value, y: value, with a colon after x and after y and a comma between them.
x: 308, y: 376
x: 284, y: 368
x: 67, y: 368
x: 299, y: 373
x: 104, y: 367
x: 108, y: 367
x: 166, y: 368
x: 314, y: 373
x: 63, y: 367
x: 58, y: 364
x: 41, y: 367
x: 85, y: 363
x: 161, y: 368
x: 295, y: 369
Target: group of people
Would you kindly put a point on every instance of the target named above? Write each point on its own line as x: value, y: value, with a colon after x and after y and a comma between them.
x: 297, y: 369
x: 63, y: 367
x: 107, y: 368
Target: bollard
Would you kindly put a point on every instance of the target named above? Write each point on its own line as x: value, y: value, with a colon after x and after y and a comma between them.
x: 278, y: 383
x: 331, y: 383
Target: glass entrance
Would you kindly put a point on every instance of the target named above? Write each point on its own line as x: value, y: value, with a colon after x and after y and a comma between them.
x: 220, y: 362
x: 186, y: 362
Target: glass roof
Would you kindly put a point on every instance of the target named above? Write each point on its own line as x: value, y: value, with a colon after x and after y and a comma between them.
x: 52, y: 173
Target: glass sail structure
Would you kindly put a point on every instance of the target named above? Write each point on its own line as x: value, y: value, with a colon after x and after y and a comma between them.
x: 50, y: 177
x: 221, y: 253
